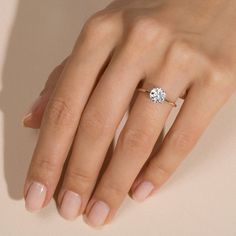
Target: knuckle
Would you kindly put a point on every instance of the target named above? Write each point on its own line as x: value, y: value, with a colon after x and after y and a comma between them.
x: 100, y: 24
x: 45, y: 165
x: 213, y: 81
x: 135, y: 139
x: 181, y: 53
x: 59, y: 113
x: 114, y: 190
x: 95, y: 124
x: 148, y: 29
x: 161, y: 173
x: 144, y: 23
x: 222, y: 80
x: 79, y: 176
x: 182, y: 141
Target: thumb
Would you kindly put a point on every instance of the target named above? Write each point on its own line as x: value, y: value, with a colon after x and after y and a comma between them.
x: 33, y: 117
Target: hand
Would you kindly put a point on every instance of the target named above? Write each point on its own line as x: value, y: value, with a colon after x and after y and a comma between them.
x: 188, y: 48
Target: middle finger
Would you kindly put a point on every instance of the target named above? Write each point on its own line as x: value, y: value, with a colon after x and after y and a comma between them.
x: 97, y: 127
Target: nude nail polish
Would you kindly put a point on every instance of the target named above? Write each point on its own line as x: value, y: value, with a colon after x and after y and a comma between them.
x: 35, y: 197
x: 143, y: 191
x: 98, y: 214
x: 70, y: 205
x: 34, y: 106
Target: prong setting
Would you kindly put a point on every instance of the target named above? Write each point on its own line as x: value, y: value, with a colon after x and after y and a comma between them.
x: 157, y: 95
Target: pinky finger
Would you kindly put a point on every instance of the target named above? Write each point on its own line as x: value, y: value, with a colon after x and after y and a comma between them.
x: 201, y: 104
x: 34, y: 117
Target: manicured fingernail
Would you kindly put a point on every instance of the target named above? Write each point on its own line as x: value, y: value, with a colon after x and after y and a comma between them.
x: 98, y: 214
x: 34, y: 107
x: 70, y: 206
x: 143, y: 191
x: 27, y: 118
x: 35, y: 197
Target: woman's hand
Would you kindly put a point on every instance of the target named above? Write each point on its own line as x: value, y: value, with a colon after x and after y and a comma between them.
x: 186, y: 47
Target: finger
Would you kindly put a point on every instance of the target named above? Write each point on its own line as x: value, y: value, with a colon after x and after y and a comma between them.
x: 97, y: 127
x: 153, y: 153
x: 63, y: 112
x: 134, y: 146
x: 200, y: 106
x: 34, y: 117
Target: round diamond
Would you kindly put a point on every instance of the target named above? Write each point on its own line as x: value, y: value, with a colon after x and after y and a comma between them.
x: 157, y: 95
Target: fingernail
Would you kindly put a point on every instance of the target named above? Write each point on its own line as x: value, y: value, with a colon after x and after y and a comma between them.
x: 143, y: 191
x: 70, y: 206
x: 34, y: 106
x: 98, y: 214
x: 27, y: 118
x: 35, y: 197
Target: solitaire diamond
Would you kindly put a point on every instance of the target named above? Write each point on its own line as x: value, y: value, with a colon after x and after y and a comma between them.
x: 157, y: 95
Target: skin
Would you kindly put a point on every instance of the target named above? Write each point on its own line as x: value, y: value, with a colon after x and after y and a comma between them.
x: 186, y: 47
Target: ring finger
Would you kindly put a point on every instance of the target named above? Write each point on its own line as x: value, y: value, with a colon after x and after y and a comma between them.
x: 180, y: 139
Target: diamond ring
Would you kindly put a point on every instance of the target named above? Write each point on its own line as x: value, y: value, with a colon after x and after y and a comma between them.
x: 157, y: 95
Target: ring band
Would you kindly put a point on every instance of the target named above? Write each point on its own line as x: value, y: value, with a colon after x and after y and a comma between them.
x: 157, y: 95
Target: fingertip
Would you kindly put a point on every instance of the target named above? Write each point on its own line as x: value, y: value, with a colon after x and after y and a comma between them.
x: 33, y: 118
x: 143, y: 191
x: 26, y: 119
x: 29, y: 122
